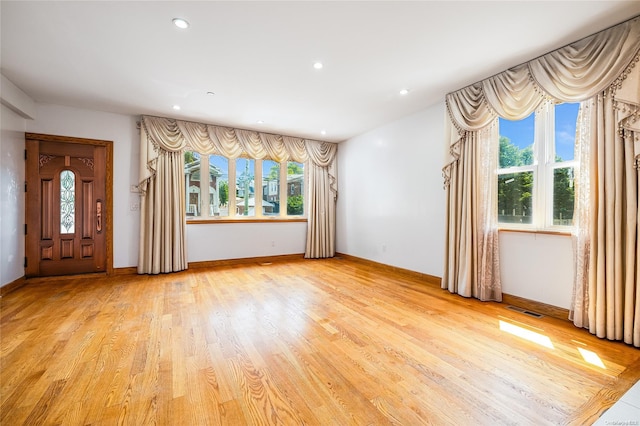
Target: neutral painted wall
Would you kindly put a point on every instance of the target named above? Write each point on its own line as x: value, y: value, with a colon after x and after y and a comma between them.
x: 537, y: 267
x: 391, y: 202
x: 11, y: 196
x: 391, y: 208
x: 240, y: 240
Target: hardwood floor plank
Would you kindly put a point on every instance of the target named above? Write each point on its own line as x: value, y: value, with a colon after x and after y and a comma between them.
x: 294, y: 342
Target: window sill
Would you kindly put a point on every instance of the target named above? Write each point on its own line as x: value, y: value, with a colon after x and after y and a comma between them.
x: 262, y: 220
x: 536, y: 231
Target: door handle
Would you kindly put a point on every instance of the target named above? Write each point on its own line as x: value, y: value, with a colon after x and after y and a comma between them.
x: 99, y: 216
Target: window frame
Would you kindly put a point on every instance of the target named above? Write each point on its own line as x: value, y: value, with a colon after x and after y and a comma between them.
x: 543, y: 168
x: 258, y: 216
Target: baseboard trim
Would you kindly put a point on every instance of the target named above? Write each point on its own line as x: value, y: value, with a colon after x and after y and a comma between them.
x: 132, y: 270
x: 245, y: 260
x: 12, y: 286
x: 430, y: 279
x: 539, y: 307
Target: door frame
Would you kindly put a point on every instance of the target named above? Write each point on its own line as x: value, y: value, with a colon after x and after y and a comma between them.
x: 31, y: 204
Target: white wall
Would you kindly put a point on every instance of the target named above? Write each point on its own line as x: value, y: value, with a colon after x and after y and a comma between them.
x: 391, y: 202
x: 11, y: 196
x: 239, y: 240
x: 537, y: 267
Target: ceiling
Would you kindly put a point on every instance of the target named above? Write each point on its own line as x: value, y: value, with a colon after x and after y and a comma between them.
x: 257, y: 57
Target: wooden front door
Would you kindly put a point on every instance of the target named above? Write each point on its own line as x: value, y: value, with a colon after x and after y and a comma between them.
x: 68, y: 205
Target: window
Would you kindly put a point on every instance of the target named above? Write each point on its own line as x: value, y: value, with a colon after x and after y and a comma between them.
x: 218, y: 186
x: 536, y: 167
x: 245, y: 187
x: 270, y: 188
x: 234, y: 186
x: 295, y: 185
x: 67, y: 202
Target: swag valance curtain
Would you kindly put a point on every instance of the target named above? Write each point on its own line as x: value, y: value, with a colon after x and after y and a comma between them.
x: 601, y: 71
x: 163, y: 141
x: 571, y: 74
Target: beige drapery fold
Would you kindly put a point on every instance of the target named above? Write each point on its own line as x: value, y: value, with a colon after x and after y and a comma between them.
x: 574, y: 73
x: 472, y: 266
x: 321, y: 240
x: 163, y: 248
x: 606, y: 297
x: 166, y: 138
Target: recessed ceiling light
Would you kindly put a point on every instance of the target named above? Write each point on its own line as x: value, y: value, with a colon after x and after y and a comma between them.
x: 318, y: 65
x: 180, y: 23
x: 260, y: 121
x: 176, y: 107
x: 404, y: 92
x: 211, y: 93
x: 323, y: 132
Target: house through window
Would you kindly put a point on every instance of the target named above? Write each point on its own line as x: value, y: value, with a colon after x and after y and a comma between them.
x: 217, y: 187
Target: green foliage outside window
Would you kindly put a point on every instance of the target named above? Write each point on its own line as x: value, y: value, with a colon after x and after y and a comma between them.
x: 515, y: 190
x: 224, y: 193
x: 295, y: 205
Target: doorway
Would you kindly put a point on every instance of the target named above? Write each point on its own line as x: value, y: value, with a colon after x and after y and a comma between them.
x: 68, y: 223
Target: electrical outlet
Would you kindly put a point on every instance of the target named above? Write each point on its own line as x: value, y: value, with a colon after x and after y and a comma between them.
x: 134, y: 207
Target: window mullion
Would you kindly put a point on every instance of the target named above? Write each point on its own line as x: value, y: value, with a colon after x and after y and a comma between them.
x: 232, y: 188
x: 549, y: 160
x: 257, y: 190
x: 282, y: 189
x: 204, y: 186
x: 542, y: 179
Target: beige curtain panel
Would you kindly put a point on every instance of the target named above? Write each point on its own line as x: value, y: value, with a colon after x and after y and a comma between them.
x: 601, y: 70
x: 606, y: 297
x: 162, y: 142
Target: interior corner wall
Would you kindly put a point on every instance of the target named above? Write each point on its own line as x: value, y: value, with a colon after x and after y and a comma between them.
x: 391, y: 210
x: 391, y: 201
x: 11, y: 196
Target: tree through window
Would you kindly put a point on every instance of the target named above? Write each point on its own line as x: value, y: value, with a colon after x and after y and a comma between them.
x: 536, y: 168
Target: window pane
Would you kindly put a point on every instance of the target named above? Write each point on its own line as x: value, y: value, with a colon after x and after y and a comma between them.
x: 565, y: 130
x: 514, y: 197
x: 218, y: 186
x: 67, y: 202
x: 192, y: 182
x: 270, y: 188
x: 245, y: 191
x: 295, y: 188
x: 516, y: 141
x: 563, y: 196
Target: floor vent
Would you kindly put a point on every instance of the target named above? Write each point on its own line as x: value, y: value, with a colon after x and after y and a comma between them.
x: 524, y: 311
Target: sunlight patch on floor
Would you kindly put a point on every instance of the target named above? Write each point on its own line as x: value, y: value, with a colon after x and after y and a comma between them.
x: 532, y: 336
x: 591, y: 358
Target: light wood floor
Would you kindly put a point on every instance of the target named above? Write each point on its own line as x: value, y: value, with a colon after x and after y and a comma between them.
x: 323, y: 342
